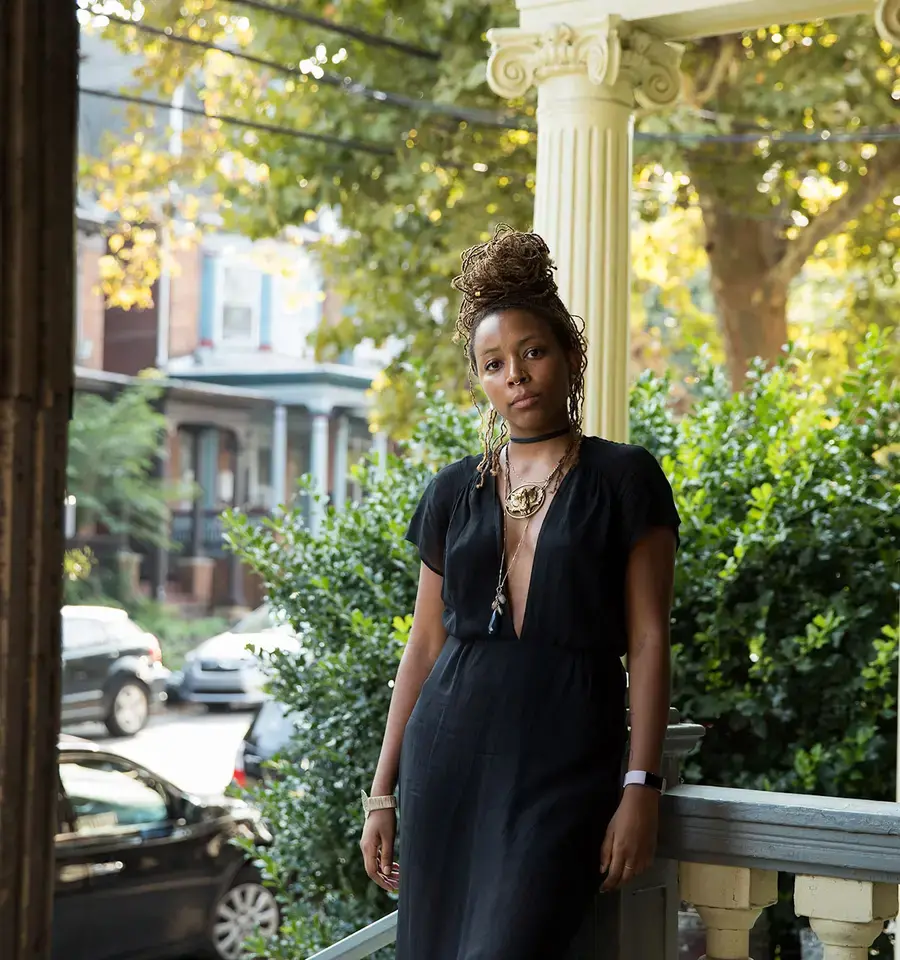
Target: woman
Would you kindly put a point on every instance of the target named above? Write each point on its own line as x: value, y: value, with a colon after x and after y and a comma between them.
x: 544, y: 560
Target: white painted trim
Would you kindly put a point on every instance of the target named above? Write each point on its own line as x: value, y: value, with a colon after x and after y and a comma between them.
x: 684, y: 19
x: 737, y: 17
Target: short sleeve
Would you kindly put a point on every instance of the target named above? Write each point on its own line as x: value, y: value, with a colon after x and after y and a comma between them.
x: 646, y: 499
x: 428, y: 527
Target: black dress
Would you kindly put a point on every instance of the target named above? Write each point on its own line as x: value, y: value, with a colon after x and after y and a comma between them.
x: 511, y: 761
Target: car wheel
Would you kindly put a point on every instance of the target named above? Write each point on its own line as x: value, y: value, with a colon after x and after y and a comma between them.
x: 219, y: 707
x: 246, y: 909
x: 129, y: 710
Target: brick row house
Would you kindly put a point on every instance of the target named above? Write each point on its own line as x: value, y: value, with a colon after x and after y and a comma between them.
x: 249, y: 408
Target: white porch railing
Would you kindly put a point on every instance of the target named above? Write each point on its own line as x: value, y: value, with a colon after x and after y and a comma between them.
x: 729, y: 847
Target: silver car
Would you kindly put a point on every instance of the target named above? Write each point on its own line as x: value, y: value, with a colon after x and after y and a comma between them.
x: 225, y: 671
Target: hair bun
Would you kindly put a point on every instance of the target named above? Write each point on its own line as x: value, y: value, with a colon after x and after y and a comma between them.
x: 512, y: 265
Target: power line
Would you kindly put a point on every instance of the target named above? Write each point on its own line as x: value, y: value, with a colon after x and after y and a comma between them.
x: 489, y: 118
x: 880, y: 135
x: 341, y: 29
x: 349, y: 144
x: 863, y: 135
x: 473, y: 115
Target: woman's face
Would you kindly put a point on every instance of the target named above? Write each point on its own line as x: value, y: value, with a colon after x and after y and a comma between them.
x: 523, y: 369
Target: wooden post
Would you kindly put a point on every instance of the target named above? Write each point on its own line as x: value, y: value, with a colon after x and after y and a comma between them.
x: 38, y: 108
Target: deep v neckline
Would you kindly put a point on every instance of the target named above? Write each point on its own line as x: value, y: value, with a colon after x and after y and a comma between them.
x: 499, y: 527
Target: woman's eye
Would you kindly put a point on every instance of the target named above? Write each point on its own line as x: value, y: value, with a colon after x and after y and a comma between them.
x: 533, y: 352
x: 492, y: 365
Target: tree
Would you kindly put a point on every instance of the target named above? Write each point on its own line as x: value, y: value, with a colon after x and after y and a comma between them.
x: 113, y: 447
x: 427, y: 164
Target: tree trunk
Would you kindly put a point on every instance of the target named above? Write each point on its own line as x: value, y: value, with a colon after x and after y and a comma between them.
x: 38, y: 106
x: 751, y: 305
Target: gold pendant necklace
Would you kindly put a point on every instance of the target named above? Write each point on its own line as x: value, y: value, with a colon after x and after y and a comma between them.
x: 527, y: 498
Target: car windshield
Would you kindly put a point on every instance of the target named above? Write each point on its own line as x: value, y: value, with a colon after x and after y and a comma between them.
x: 260, y: 620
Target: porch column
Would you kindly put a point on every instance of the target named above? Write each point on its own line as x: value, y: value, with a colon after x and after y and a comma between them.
x: 887, y: 19
x: 38, y: 142
x: 341, y: 448
x: 279, y: 454
x: 237, y: 596
x: 380, y: 449
x: 198, y: 504
x: 589, y: 80
x: 318, y: 462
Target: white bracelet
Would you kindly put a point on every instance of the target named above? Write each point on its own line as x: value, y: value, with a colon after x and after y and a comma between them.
x: 377, y: 803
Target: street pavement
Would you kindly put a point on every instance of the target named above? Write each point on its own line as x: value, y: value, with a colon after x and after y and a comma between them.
x: 191, y: 748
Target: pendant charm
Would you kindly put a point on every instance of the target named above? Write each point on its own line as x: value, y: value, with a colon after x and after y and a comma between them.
x: 525, y: 501
x: 494, y: 625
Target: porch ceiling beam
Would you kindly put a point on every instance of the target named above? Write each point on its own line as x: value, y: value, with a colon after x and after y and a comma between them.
x: 684, y: 19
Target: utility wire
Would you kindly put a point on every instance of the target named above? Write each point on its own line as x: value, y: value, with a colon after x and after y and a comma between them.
x: 490, y: 118
x: 340, y: 28
x: 487, y: 118
x: 361, y: 145
x: 879, y: 135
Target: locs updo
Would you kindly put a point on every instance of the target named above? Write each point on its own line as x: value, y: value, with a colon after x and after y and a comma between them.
x: 514, y: 270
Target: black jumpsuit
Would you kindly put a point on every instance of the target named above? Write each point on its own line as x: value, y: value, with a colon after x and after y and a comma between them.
x: 511, y: 761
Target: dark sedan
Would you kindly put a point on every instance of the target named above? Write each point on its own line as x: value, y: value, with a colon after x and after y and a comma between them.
x: 144, y: 870
x: 112, y: 669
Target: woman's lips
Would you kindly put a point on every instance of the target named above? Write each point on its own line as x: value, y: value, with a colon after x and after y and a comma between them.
x: 526, y: 401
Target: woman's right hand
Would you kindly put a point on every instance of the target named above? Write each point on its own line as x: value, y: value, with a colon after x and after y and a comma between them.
x: 377, y: 845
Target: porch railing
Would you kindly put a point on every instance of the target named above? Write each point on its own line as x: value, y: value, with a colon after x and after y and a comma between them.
x: 722, y: 851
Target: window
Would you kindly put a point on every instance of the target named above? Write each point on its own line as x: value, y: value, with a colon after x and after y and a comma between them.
x: 110, y: 796
x: 241, y: 294
x: 79, y: 633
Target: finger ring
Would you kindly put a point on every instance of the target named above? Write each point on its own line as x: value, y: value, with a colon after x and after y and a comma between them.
x: 628, y: 866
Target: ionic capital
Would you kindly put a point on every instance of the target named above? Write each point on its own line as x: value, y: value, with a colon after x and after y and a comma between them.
x: 887, y: 20
x: 608, y: 52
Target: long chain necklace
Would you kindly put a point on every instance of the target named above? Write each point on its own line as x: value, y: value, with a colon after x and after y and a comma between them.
x: 511, y: 506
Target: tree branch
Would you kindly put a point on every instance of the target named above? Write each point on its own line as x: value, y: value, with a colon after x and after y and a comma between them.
x: 838, y: 214
x: 727, y: 49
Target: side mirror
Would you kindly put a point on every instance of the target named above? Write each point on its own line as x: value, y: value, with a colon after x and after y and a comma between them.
x: 186, y: 810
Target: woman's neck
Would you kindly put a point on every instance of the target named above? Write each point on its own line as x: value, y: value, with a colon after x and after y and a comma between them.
x: 540, y: 454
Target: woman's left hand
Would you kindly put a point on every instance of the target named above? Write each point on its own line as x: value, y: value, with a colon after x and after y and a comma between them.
x: 630, y: 840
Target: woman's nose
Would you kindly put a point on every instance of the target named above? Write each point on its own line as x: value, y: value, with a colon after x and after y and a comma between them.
x: 517, y: 373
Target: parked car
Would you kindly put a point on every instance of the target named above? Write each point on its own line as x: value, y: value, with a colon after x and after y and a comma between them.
x: 112, y: 669
x: 145, y: 871
x: 269, y: 733
x: 225, y: 671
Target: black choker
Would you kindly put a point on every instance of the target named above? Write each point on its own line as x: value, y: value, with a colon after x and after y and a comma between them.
x: 542, y: 437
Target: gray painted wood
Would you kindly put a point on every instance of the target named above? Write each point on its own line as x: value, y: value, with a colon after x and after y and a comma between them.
x: 793, y: 833
x: 363, y: 943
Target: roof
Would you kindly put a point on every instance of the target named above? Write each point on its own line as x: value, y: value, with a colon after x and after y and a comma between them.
x: 95, y: 612
x: 70, y: 744
x: 102, y: 381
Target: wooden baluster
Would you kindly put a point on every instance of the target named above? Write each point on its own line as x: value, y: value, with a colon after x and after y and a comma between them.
x: 729, y: 901
x: 846, y: 915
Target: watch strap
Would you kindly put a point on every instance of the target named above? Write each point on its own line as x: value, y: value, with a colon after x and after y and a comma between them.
x: 643, y: 778
x: 377, y: 803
